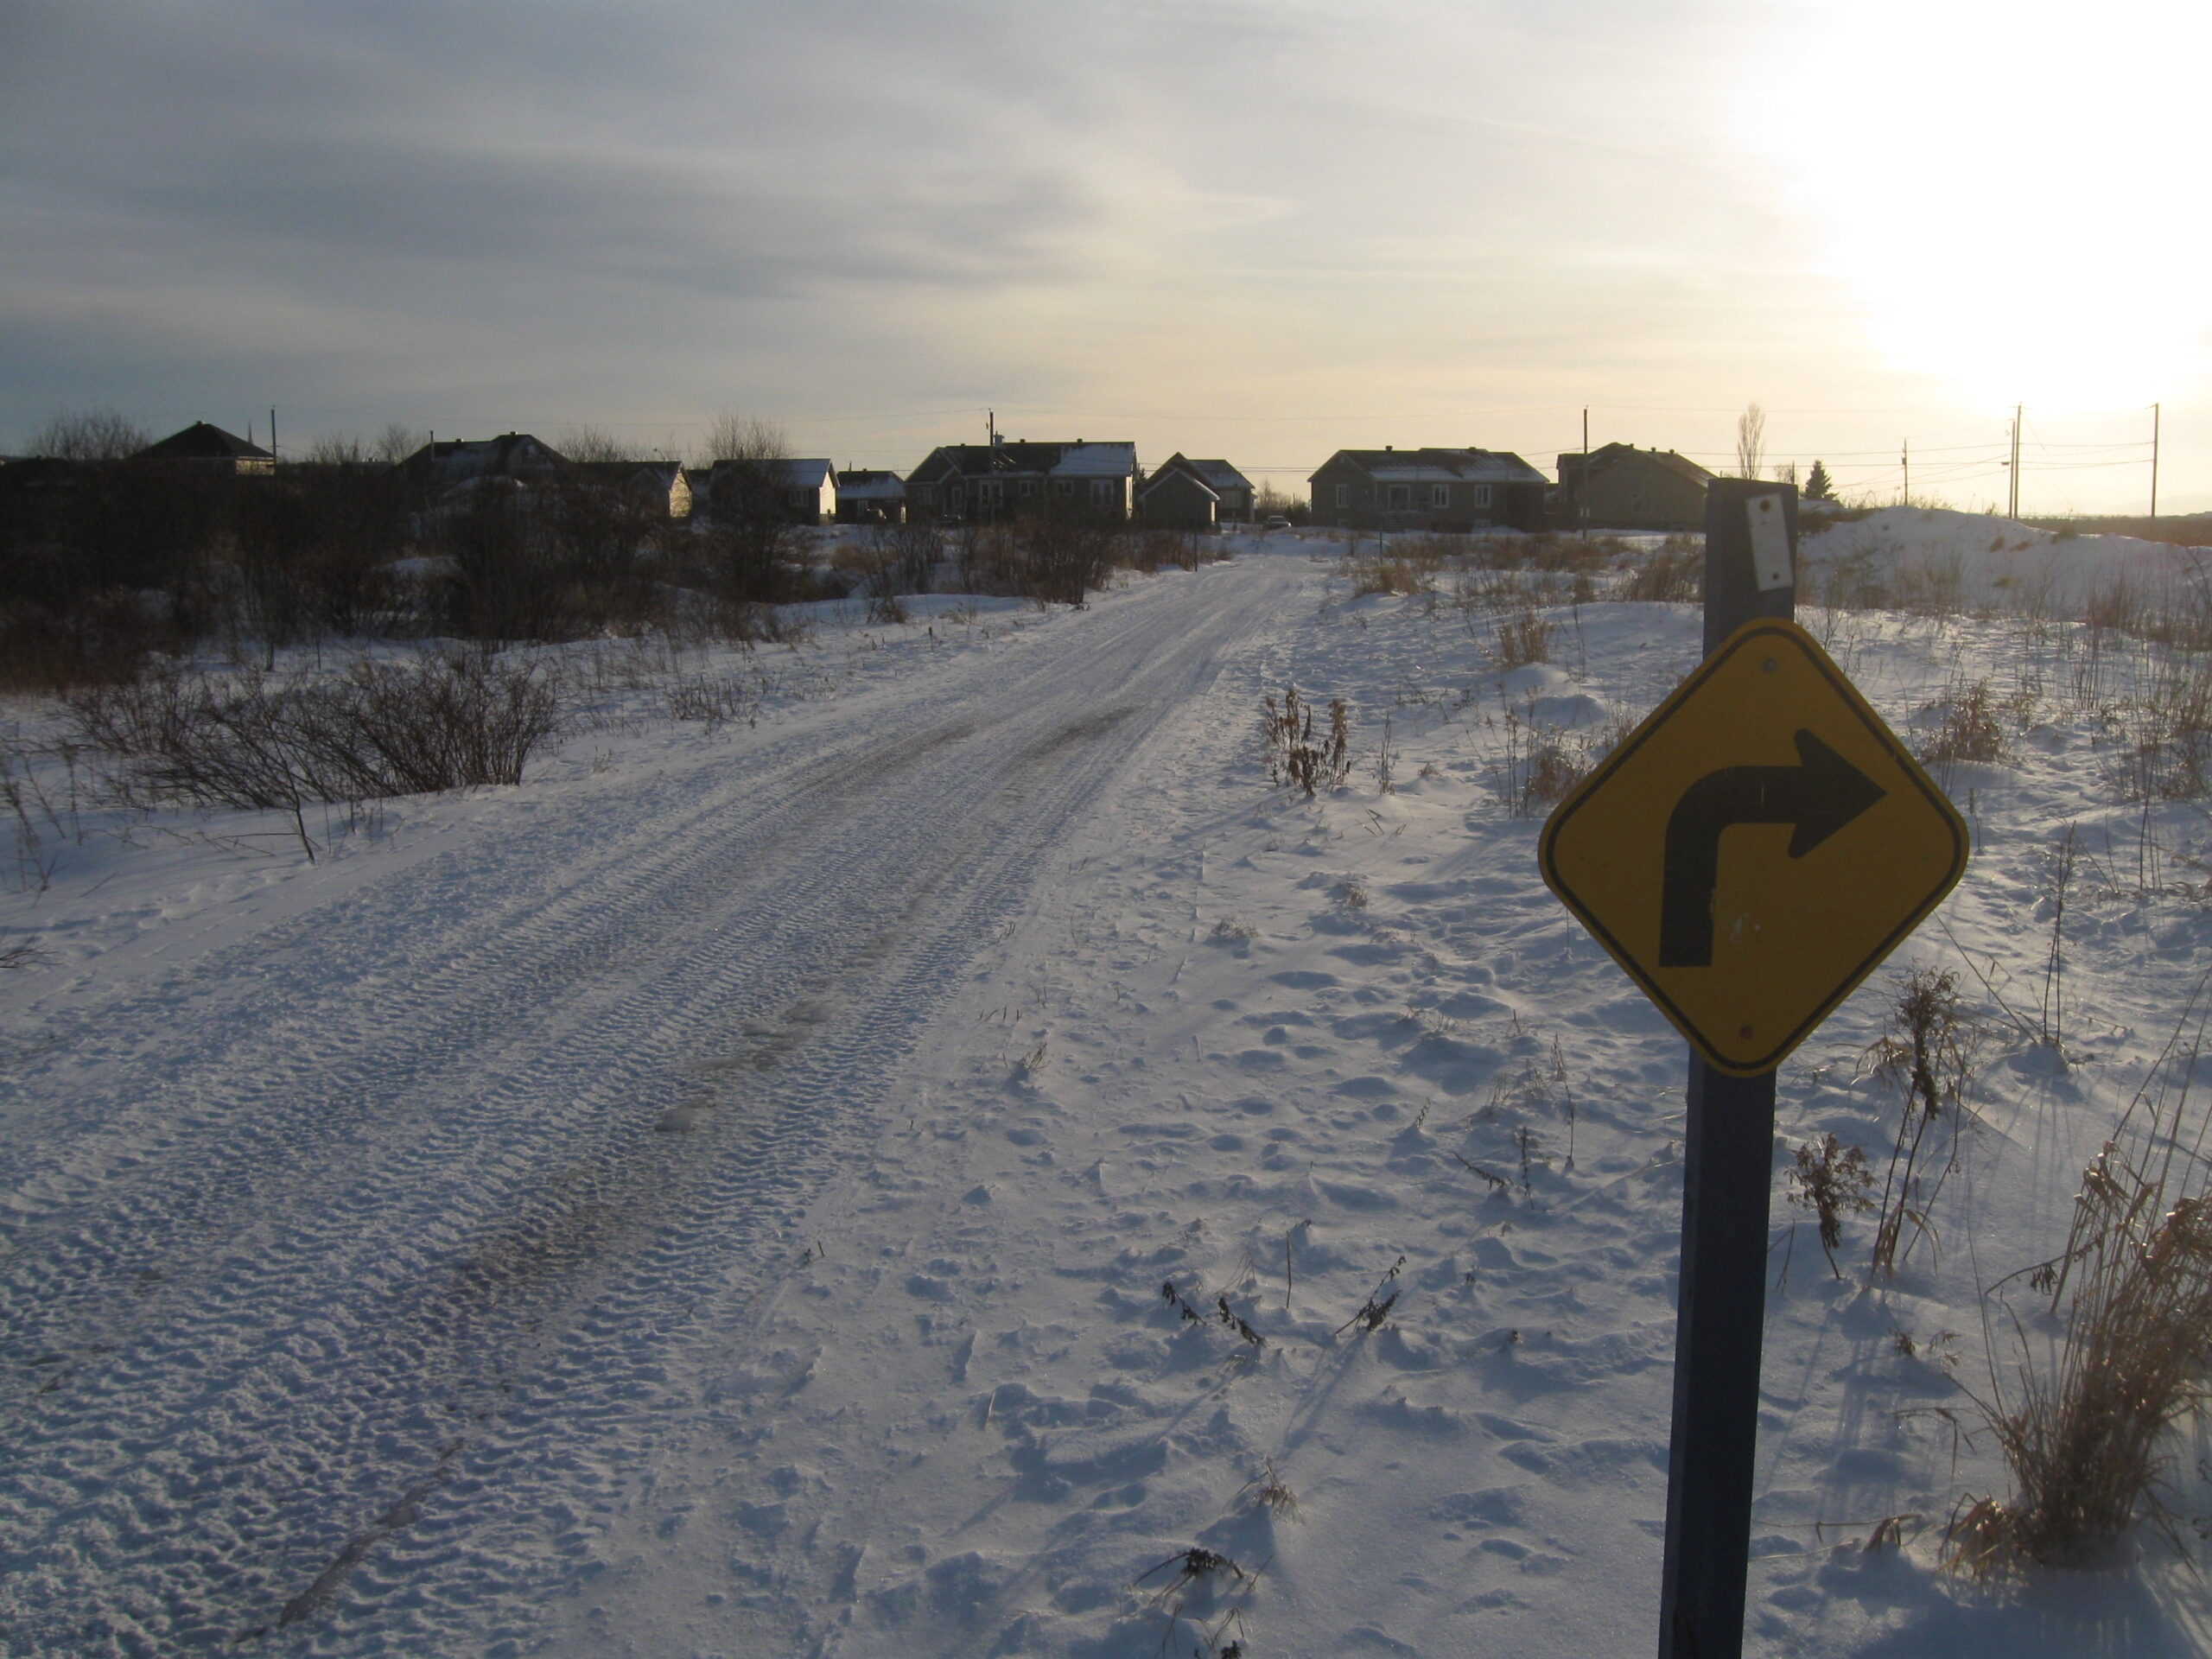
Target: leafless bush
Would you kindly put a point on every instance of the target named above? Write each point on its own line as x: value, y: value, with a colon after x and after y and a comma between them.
x: 1537, y: 764
x: 2133, y: 1290
x: 1549, y: 550
x: 1930, y: 1049
x: 1830, y: 1180
x: 1969, y: 726
x: 381, y: 730
x: 1521, y: 637
x: 1069, y: 555
x: 1295, y: 758
x: 1055, y: 558
x: 90, y: 434
x: 714, y: 700
x: 1157, y: 550
x: 2166, y: 730
x: 1672, y: 574
x: 104, y: 638
x: 1405, y: 567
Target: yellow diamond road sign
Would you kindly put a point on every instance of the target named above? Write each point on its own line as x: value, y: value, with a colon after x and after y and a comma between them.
x: 1755, y: 847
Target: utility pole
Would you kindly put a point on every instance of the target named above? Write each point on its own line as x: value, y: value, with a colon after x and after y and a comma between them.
x: 1907, y: 471
x: 2154, y: 461
x: 2014, y: 510
x: 1582, y: 480
x: 273, y: 435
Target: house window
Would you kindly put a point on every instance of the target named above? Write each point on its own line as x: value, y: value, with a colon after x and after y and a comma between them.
x: 1344, y: 495
x: 1102, y: 491
x: 1482, y: 495
x: 955, y: 500
x: 990, y: 493
x: 1400, y: 498
x: 1063, y: 488
x: 1028, y: 487
x: 1440, y: 496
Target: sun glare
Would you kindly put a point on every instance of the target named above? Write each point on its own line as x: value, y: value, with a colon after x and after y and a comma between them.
x: 2008, y: 189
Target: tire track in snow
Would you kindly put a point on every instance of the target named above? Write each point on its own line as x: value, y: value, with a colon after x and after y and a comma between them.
x: 433, y: 1227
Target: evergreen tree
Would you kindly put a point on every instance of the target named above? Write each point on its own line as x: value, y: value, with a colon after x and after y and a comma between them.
x: 1819, y: 486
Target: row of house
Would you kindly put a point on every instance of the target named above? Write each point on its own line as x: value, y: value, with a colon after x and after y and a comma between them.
x: 1449, y: 490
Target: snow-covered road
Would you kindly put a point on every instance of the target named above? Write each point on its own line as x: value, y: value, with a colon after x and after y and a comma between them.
x: 894, y: 1182
x: 339, y: 1254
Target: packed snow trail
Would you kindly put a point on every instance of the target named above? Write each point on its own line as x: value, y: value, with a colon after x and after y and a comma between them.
x: 338, y: 1258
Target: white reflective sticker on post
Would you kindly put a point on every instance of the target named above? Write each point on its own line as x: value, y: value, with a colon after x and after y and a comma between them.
x: 1770, y: 542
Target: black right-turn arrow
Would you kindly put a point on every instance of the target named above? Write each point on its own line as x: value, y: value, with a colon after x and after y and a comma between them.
x: 1816, y: 798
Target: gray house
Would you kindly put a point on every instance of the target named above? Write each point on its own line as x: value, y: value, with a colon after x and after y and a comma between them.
x: 1008, y: 480
x: 202, y: 442
x: 869, y: 497
x: 439, y: 467
x: 1444, y: 490
x: 661, y: 486
x: 1174, y: 498
x: 798, y: 491
x: 1624, y: 488
x: 1232, y: 489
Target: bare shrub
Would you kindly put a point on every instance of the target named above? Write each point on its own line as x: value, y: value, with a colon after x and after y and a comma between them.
x: 1069, y: 554
x: 1672, y: 573
x: 748, y: 523
x: 105, y: 638
x: 1930, y: 1049
x: 1537, y: 764
x: 381, y: 730
x: 1295, y: 758
x: 90, y: 434
x: 1157, y: 550
x: 1268, y: 1491
x: 2166, y: 749
x: 1402, y: 568
x: 714, y: 700
x: 1830, y: 1180
x: 2133, y: 1289
x: 1969, y: 726
x: 1521, y: 637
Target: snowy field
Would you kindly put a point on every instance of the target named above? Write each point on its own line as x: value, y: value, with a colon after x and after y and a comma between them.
x: 886, y: 1171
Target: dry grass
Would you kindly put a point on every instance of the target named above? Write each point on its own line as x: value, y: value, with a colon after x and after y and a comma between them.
x: 1402, y: 568
x: 2086, y: 1436
x: 1929, y: 1048
x: 1969, y: 726
x: 1295, y: 757
x: 1672, y: 575
x: 1521, y: 637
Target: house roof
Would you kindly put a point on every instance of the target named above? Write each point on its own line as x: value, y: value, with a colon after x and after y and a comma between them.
x: 811, y: 473
x: 1182, y: 479
x: 662, y: 472
x: 865, y: 485
x: 1096, y: 460
x: 201, y: 441
x: 1440, y: 465
x: 1613, y: 455
x: 1217, y: 474
x: 1077, y: 460
x: 505, y: 455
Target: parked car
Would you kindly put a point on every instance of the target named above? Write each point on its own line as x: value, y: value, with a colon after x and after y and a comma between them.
x: 1276, y: 523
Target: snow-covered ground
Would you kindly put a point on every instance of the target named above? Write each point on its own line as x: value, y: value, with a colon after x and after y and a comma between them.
x: 739, y: 1192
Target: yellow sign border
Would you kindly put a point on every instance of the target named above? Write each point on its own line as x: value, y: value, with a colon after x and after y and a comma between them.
x: 1910, y: 767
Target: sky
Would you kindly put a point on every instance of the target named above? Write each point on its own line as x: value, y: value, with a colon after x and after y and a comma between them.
x: 1262, y: 232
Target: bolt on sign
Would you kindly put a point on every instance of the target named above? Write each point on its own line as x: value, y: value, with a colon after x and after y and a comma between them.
x: 1755, y: 848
